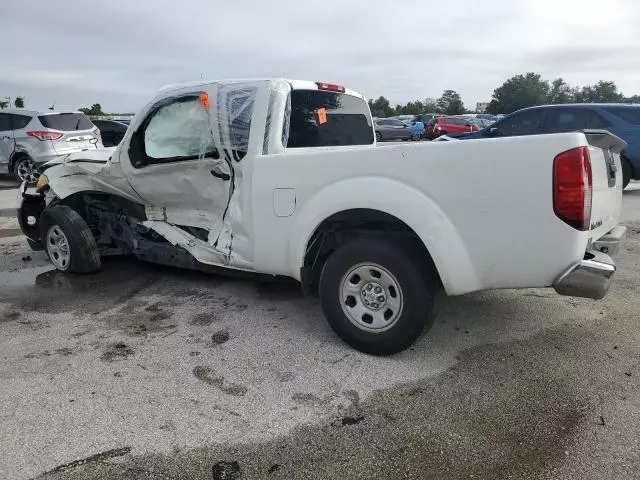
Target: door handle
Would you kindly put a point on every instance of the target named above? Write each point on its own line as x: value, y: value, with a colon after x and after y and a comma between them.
x: 6, y: 138
x: 225, y: 177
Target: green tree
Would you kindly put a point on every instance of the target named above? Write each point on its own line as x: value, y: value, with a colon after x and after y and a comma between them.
x: 411, y: 108
x: 519, y: 92
x: 601, y: 92
x: 381, y: 107
x: 450, y: 103
x: 19, y: 102
x: 561, y: 92
x: 430, y: 105
x: 4, y: 104
x: 93, y: 110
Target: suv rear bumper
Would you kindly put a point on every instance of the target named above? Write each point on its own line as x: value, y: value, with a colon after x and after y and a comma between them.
x: 592, y: 277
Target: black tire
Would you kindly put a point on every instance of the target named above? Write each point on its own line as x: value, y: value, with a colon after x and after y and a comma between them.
x: 626, y: 172
x: 84, y: 256
x: 378, y: 137
x: 418, y: 290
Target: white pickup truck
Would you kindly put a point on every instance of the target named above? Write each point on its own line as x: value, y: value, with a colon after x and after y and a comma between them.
x: 284, y: 178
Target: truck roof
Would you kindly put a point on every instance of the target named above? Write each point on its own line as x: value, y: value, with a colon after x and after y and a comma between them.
x: 295, y: 84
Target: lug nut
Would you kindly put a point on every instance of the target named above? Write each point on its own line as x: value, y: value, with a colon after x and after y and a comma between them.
x: 374, y: 305
x: 378, y: 290
x: 381, y: 299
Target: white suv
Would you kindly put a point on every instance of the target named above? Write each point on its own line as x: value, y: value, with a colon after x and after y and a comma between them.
x: 29, y: 138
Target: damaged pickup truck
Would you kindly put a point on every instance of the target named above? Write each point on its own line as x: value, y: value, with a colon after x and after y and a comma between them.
x: 284, y: 178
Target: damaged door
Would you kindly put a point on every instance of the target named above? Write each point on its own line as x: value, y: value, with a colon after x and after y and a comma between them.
x: 178, y: 169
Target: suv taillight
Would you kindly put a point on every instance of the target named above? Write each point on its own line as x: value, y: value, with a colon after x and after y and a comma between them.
x: 45, y: 135
x: 96, y: 132
x: 572, y: 188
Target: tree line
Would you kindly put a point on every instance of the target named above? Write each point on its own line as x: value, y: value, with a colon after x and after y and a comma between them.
x: 449, y: 103
x: 18, y: 102
x: 518, y: 92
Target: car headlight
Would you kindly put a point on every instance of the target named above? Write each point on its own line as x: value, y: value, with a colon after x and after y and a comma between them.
x: 42, y: 183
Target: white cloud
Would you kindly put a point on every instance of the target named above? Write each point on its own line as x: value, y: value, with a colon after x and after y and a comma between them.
x: 119, y: 52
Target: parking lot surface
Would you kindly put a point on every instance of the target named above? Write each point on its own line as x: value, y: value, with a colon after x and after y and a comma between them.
x: 142, y: 371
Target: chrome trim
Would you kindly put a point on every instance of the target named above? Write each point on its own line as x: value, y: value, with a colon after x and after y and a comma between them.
x: 590, y: 278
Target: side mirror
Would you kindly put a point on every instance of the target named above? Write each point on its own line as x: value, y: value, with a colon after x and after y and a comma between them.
x: 493, y: 132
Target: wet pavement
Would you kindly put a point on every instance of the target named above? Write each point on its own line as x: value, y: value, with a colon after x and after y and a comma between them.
x: 141, y: 371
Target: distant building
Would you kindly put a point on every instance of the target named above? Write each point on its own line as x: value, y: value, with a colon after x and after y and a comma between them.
x: 481, y: 107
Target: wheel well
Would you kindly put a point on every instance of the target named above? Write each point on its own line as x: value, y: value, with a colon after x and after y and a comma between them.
x: 624, y: 158
x: 15, y: 157
x: 348, y: 225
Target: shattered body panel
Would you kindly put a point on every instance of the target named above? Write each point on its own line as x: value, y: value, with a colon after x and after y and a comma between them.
x: 193, y: 172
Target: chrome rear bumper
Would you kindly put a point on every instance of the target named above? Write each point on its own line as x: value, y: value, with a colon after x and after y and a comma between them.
x: 592, y: 277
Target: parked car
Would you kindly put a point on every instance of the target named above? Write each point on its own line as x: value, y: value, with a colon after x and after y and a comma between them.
x: 376, y: 232
x: 29, y: 139
x: 111, y: 131
x: 391, y: 129
x: 620, y: 119
x: 447, y: 125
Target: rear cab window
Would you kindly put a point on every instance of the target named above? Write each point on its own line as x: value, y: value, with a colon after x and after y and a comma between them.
x: 325, y: 119
x: 66, y: 122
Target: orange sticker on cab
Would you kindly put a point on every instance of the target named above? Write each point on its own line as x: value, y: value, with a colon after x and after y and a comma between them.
x: 322, y: 115
x: 204, y: 100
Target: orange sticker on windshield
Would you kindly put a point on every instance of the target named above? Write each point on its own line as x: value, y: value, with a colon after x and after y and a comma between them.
x: 204, y: 100
x: 322, y: 115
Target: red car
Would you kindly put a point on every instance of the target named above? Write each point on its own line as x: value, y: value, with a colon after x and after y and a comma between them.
x: 449, y: 125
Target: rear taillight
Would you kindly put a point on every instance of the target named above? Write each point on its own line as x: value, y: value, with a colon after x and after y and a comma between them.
x: 436, y: 126
x: 572, y: 188
x: 96, y: 132
x: 45, y: 135
x: 332, y: 87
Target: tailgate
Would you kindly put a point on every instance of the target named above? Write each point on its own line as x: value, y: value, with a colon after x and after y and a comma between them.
x: 606, y: 169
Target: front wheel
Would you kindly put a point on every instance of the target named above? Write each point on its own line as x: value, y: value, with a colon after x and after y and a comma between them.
x: 68, y: 241
x: 378, y: 295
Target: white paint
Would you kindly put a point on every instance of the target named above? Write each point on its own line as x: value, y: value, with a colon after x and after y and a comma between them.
x: 483, y: 208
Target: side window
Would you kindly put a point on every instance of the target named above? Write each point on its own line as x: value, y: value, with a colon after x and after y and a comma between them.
x: 564, y: 120
x: 321, y: 119
x: 178, y: 130
x: 18, y: 122
x: 594, y: 120
x: 573, y: 119
x: 5, y: 122
x: 528, y: 122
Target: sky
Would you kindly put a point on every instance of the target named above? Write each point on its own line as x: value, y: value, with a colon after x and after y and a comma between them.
x: 73, y: 53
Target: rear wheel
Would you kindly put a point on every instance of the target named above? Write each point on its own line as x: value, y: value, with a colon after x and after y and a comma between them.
x: 626, y: 172
x: 24, y: 169
x: 377, y: 295
x: 68, y: 241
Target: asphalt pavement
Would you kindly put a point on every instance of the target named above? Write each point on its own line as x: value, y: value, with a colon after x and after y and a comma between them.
x: 141, y: 371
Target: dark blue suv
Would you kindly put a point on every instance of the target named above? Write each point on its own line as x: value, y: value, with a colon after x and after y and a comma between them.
x: 620, y: 119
